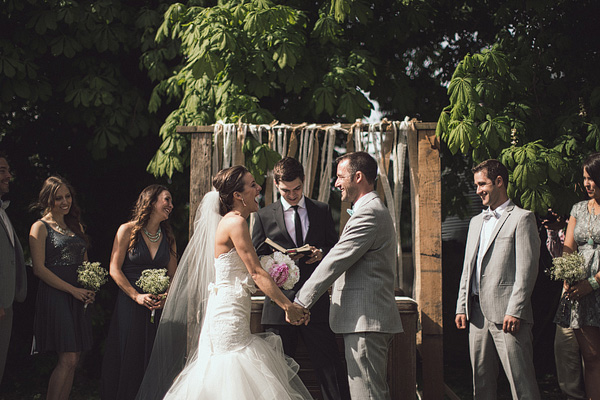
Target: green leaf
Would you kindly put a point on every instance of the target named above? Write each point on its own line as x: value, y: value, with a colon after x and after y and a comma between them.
x: 538, y: 199
x: 460, y: 91
x: 324, y: 100
x: 593, y: 136
x: 463, y: 135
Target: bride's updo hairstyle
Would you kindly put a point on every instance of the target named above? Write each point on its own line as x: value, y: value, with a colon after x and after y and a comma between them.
x: 227, y: 182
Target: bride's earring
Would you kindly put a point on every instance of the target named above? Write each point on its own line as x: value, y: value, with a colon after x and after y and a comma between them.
x: 243, y: 202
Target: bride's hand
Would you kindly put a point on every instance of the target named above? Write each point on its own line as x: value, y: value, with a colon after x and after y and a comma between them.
x: 297, y: 315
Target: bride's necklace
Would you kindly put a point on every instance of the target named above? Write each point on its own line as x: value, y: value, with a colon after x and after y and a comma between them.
x: 153, y: 237
x: 590, y: 240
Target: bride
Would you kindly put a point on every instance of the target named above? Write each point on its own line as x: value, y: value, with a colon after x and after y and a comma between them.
x: 210, y: 299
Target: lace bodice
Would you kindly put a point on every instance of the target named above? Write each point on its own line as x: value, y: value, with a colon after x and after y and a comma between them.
x: 231, y: 271
x: 227, y: 323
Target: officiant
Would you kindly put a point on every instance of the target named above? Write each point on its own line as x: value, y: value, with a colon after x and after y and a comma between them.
x: 293, y: 221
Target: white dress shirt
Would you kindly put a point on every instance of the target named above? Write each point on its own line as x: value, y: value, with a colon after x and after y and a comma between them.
x: 484, y: 238
x: 289, y: 218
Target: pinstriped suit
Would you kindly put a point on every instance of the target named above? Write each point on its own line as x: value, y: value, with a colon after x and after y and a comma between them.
x: 508, y: 273
x: 361, y: 268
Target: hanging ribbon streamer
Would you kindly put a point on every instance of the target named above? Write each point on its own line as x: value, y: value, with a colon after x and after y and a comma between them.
x: 309, y: 138
x: 327, y: 162
x: 229, y: 133
x: 217, y: 158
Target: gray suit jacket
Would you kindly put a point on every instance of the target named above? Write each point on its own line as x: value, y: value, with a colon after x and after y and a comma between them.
x: 13, y: 277
x: 362, y: 265
x: 509, y: 267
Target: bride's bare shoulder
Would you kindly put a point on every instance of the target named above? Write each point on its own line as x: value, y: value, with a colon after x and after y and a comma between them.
x: 231, y: 220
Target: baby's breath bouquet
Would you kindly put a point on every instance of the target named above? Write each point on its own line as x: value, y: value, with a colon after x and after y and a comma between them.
x: 282, y: 269
x: 569, y: 268
x: 91, y: 276
x: 154, y: 281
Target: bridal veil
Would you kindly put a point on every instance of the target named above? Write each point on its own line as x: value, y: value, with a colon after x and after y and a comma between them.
x: 177, y: 337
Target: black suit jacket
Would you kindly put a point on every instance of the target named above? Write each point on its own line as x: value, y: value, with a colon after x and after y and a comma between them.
x: 321, y: 233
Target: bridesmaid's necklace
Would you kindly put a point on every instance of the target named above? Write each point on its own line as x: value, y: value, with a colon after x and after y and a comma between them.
x: 60, y: 229
x: 153, y: 237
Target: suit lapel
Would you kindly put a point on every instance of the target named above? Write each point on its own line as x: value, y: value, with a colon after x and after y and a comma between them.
x: 474, y: 249
x: 6, y: 232
x: 278, y: 215
x: 312, y: 222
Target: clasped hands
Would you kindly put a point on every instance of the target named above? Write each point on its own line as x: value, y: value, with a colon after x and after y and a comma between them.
x: 297, y: 315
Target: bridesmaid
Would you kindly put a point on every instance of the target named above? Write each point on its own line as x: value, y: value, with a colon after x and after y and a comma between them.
x: 58, y: 246
x: 583, y: 236
x: 146, y: 241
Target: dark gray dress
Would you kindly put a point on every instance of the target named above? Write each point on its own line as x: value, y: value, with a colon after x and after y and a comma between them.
x: 586, y: 311
x: 131, y: 334
x: 61, y: 323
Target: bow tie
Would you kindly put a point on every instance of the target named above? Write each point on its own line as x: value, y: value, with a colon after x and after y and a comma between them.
x: 488, y: 214
x: 4, y: 204
x: 350, y: 211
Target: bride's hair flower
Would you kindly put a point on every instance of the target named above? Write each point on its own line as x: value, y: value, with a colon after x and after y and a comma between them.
x: 282, y: 269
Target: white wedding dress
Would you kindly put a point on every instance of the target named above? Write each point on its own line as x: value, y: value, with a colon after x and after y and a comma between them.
x: 231, y: 363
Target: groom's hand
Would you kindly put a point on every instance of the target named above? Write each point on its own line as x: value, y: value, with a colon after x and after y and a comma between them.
x: 297, y: 314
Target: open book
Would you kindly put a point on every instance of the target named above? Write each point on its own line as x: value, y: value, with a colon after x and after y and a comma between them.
x: 298, y: 250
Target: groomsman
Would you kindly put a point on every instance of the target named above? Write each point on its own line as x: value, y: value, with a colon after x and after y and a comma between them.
x: 13, y: 278
x: 499, y: 272
x: 361, y: 267
x: 292, y: 221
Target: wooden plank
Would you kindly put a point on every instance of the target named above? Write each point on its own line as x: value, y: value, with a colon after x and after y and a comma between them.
x: 429, y: 287
x: 200, y: 163
x: 413, y: 172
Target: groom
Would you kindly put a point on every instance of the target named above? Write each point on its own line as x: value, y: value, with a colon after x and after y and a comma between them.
x: 292, y: 221
x: 361, y: 268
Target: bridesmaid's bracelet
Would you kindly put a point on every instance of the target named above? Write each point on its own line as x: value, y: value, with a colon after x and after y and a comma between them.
x: 593, y: 283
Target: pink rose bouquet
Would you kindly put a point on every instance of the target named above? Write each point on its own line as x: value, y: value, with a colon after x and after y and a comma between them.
x: 282, y: 269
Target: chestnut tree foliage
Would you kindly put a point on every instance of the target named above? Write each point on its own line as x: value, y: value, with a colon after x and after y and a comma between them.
x: 83, y: 81
x: 294, y: 61
x: 531, y: 100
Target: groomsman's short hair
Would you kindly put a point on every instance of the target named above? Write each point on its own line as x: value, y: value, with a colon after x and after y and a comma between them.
x: 493, y: 169
x: 288, y: 169
x: 363, y: 162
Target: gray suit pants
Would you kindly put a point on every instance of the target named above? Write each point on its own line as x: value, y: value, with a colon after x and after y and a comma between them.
x: 366, y: 359
x: 488, y: 344
x: 5, y: 330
